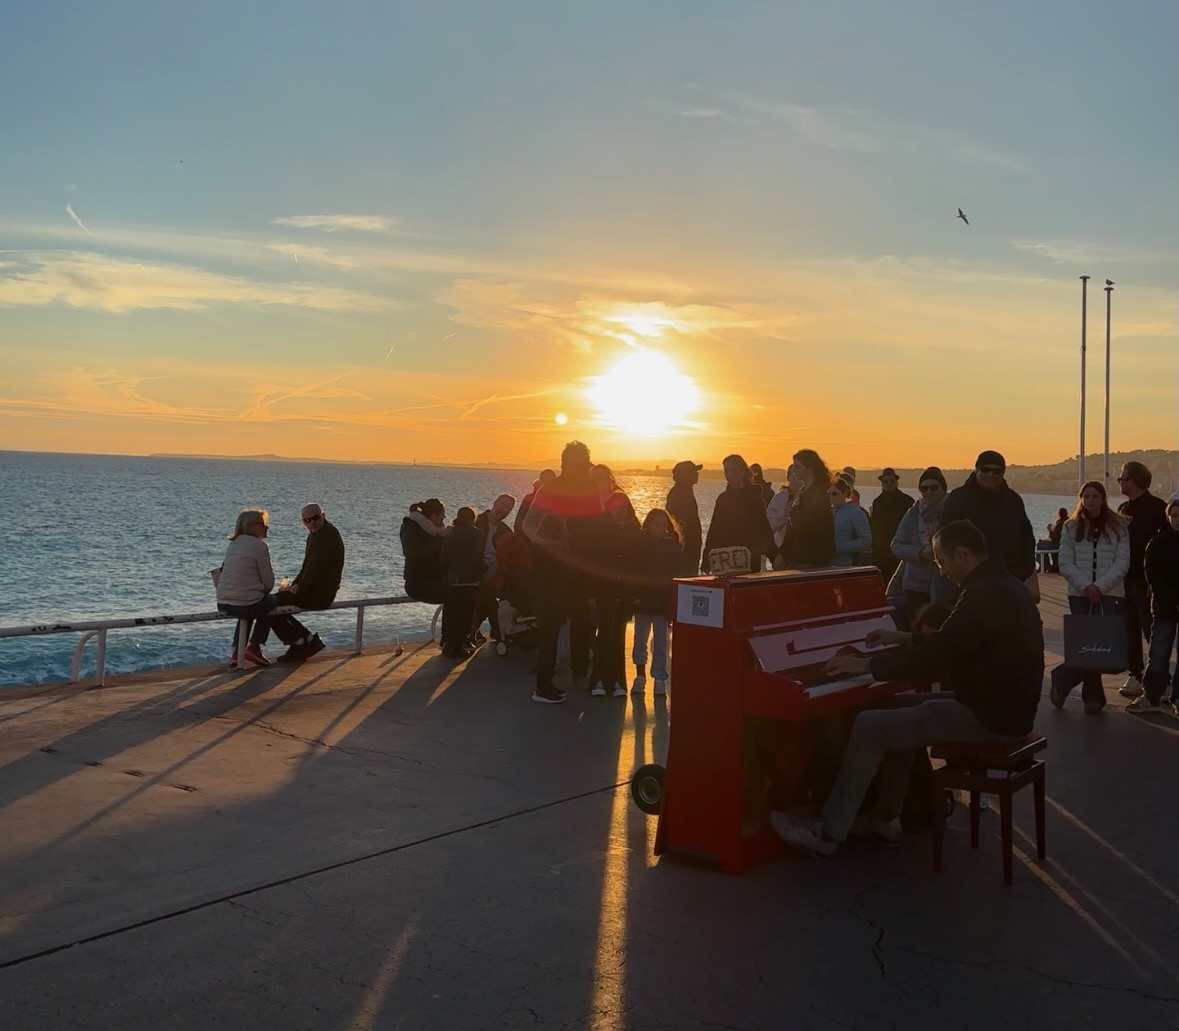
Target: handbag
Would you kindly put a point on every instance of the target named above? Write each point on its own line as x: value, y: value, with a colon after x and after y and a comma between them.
x: 1095, y: 642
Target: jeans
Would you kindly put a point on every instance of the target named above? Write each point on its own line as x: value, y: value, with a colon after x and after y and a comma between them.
x: 610, y: 643
x: 554, y: 611
x: 1137, y: 623
x: 260, y: 622
x: 458, y: 610
x: 1162, y: 639
x: 885, y: 740
x: 656, y: 626
x: 1065, y: 677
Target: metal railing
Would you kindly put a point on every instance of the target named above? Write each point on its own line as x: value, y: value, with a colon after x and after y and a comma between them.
x: 99, y: 627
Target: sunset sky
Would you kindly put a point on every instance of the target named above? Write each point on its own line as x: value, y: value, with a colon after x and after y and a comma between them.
x: 432, y: 230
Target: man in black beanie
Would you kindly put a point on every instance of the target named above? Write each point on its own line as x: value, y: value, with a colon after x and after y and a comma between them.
x: 998, y: 511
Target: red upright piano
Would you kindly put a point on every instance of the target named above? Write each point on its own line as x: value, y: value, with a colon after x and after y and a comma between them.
x: 751, y: 707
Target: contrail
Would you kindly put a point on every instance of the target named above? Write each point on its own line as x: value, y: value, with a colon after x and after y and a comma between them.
x: 386, y: 358
x: 295, y: 256
x: 77, y: 221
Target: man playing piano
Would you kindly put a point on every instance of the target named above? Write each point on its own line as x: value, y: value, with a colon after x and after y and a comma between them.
x: 991, y: 651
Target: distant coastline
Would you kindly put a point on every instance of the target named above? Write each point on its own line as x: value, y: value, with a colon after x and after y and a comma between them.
x: 1057, y: 478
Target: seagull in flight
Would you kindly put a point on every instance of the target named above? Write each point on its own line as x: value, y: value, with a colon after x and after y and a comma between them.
x: 1109, y: 282
x: 963, y: 217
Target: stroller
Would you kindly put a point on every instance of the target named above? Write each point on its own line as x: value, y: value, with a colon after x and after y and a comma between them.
x: 518, y: 626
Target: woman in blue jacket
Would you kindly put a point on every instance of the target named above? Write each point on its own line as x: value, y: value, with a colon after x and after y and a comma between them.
x: 853, y: 533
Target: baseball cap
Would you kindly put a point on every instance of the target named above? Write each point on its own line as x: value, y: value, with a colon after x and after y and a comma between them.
x: 680, y: 468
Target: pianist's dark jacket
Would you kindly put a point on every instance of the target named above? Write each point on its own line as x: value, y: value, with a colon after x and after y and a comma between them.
x: 991, y: 647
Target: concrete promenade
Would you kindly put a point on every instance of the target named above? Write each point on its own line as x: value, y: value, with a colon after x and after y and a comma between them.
x: 383, y: 842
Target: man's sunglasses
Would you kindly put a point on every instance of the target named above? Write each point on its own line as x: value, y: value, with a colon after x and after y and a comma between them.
x: 925, y: 488
x: 313, y: 518
x: 992, y: 470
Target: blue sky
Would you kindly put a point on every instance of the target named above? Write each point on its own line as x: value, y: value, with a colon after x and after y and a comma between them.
x: 481, y: 191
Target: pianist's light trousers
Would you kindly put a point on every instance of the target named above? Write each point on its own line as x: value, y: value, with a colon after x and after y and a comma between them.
x: 885, y: 740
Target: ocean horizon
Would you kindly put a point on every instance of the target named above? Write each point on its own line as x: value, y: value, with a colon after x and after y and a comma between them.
x: 105, y: 537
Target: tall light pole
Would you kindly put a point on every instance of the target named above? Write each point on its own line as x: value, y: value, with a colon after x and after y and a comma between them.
x: 1084, y: 312
x: 1108, y: 296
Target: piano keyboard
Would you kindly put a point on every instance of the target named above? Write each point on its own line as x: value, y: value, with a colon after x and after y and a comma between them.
x: 835, y: 686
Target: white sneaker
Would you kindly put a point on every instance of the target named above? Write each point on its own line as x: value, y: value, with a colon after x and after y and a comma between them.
x: 802, y: 834
x: 598, y: 690
x: 619, y: 691
x: 660, y: 688
x: 1132, y: 688
x: 885, y: 832
x: 1143, y: 704
x: 639, y: 685
x: 1170, y: 708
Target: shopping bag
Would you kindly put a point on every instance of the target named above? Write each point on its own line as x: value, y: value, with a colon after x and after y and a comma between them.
x: 1095, y: 642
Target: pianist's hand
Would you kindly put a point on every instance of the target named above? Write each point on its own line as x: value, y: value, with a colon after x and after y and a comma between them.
x: 878, y: 638
x: 846, y: 665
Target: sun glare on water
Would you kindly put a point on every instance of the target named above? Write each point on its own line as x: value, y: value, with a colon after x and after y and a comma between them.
x: 644, y: 394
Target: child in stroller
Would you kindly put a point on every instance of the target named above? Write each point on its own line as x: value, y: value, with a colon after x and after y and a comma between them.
x: 515, y: 614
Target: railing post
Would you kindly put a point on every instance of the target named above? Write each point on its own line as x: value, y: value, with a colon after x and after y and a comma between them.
x: 359, y: 629
x: 100, y: 669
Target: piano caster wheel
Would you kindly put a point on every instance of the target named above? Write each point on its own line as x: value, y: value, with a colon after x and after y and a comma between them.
x: 501, y: 648
x: 950, y: 803
x: 646, y: 788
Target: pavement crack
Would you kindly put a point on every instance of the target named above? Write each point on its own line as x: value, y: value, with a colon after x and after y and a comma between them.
x: 251, y: 912
x: 1044, y: 975
x: 856, y: 911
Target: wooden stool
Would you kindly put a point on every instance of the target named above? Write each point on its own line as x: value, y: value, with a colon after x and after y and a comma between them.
x: 975, y: 767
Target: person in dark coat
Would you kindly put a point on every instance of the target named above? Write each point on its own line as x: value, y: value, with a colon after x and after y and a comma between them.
x: 739, y: 516
x: 422, y: 531
x: 570, y: 505
x: 886, y: 514
x: 318, y: 580
x: 681, y: 506
x: 998, y: 511
x: 1146, y: 514
x: 1161, y: 564
x: 462, y: 565
x: 545, y: 479
x: 654, y: 600
x: 809, y: 541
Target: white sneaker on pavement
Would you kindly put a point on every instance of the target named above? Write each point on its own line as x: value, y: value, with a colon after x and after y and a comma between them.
x: 802, y: 834
x: 619, y: 691
x: 884, y: 832
x: 1143, y: 704
x: 1132, y: 688
x: 639, y: 685
x: 660, y: 688
x: 598, y: 690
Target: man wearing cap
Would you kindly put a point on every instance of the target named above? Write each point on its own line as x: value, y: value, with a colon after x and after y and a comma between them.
x: 998, y: 511
x: 887, y: 512
x: 682, y: 507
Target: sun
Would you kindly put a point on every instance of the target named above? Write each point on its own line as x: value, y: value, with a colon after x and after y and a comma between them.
x: 645, y: 394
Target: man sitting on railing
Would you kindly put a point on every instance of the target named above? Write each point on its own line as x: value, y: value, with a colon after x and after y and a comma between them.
x: 318, y: 581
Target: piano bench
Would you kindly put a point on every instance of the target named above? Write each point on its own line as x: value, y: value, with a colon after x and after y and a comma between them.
x: 999, y: 769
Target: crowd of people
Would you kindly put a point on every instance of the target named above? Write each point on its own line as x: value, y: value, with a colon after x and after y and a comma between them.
x: 576, y: 565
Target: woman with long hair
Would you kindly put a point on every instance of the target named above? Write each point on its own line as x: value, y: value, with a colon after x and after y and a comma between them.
x: 422, y: 531
x: 1094, y: 560
x: 809, y: 541
x: 739, y: 516
x: 613, y: 552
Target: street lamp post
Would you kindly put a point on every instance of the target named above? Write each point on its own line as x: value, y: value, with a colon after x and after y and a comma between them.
x: 1108, y: 297
x: 1084, y: 313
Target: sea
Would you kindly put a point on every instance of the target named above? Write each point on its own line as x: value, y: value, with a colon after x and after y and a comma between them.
x: 107, y: 537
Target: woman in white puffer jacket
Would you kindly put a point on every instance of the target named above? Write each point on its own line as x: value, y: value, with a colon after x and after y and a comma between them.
x: 1094, y: 560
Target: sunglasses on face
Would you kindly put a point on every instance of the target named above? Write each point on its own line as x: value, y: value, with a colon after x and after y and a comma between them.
x: 1125, y: 479
x: 927, y: 488
x: 313, y: 518
x: 991, y: 470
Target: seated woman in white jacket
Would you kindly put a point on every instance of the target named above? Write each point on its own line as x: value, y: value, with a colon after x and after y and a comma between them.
x: 1094, y: 560
x: 246, y: 580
